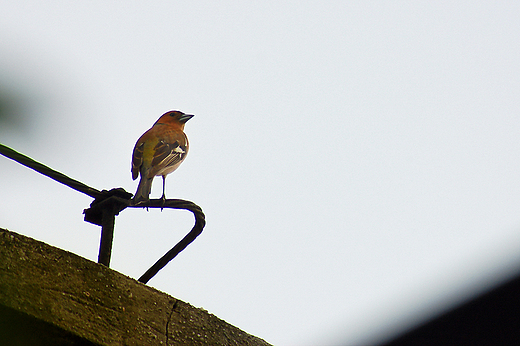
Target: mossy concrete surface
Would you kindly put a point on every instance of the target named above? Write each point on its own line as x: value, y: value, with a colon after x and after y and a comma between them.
x: 49, y: 296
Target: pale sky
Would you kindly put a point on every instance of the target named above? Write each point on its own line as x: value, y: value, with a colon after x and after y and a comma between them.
x: 357, y: 161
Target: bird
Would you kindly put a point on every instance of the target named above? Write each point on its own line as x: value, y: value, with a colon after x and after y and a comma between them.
x: 159, y: 151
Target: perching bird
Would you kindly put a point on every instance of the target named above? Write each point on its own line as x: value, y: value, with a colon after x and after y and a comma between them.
x: 159, y: 151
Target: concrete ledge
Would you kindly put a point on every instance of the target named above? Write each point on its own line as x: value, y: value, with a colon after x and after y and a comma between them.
x: 49, y: 296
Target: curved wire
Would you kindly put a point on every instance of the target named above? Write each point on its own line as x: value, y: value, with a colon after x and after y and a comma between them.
x: 200, y: 222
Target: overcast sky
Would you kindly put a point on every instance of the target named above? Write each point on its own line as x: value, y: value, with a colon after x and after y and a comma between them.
x: 358, y: 162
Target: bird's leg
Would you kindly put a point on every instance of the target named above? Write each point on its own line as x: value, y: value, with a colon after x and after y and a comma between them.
x: 163, y: 186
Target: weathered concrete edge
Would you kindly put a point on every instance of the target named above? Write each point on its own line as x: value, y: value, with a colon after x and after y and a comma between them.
x: 100, y: 304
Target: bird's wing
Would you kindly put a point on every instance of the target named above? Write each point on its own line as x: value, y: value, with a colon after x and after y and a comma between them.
x: 167, y: 155
x: 137, y: 159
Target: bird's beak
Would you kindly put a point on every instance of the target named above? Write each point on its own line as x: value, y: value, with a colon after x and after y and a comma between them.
x: 185, y: 117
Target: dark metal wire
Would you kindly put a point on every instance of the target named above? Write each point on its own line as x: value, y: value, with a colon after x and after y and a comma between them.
x: 108, y: 204
x: 49, y: 172
x: 200, y: 222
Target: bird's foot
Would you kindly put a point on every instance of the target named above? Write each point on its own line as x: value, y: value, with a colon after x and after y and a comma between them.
x: 138, y: 201
x: 163, y: 199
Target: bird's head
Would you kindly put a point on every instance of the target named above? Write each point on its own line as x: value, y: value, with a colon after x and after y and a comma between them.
x: 175, y: 117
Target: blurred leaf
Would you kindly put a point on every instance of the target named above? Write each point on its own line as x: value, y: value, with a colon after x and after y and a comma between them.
x: 10, y: 109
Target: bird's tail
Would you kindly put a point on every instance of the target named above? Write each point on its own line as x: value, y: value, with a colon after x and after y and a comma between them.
x: 143, y: 190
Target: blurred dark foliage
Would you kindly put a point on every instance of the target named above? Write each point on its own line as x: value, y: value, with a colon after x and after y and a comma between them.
x: 11, y: 110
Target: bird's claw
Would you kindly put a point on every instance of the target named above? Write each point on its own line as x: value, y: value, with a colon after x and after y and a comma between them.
x: 163, y: 199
